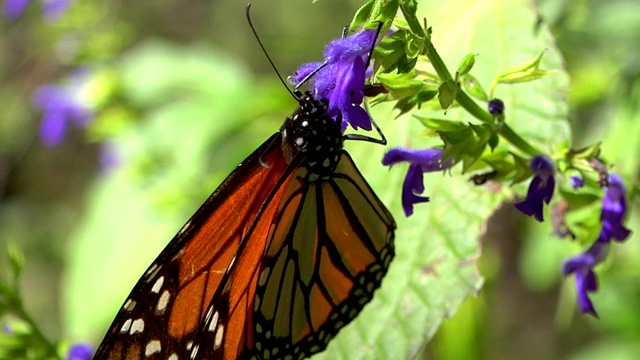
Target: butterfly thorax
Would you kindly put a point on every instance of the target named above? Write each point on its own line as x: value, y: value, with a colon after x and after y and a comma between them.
x: 313, y: 135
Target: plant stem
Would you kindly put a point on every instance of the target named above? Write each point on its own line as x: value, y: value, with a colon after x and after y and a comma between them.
x: 472, y: 107
x: 51, y: 351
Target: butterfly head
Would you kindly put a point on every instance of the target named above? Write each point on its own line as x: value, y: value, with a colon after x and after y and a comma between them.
x: 312, y: 134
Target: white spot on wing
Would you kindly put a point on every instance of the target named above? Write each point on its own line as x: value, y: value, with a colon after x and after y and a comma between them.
x: 153, y: 272
x: 185, y: 227
x: 153, y: 346
x: 162, y: 302
x: 219, y: 336
x: 126, y: 326
x: 129, y: 305
x: 137, y: 326
x: 173, y: 356
x: 214, y: 322
x: 194, y: 353
x: 158, y: 285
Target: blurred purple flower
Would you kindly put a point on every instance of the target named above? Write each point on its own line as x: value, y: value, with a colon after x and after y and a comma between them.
x: 341, y: 78
x: 61, y: 105
x: 421, y: 161
x: 614, y: 207
x: 13, y: 9
x: 82, y: 351
x: 586, y: 282
x: 576, y: 181
x: 54, y: 9
x: 540, y: 189
x: 51, y: 9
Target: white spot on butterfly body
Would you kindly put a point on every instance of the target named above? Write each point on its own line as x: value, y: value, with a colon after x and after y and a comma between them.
x: 304, y: 123
x: 137, y: 326
x: 153, y: 346
x: 158, y: 285
x: 299, y: 141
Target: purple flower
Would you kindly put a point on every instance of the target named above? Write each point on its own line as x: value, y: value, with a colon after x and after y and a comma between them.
x: 341, y: 78
x: 82, y: 351
x: 421, y: 161
x: 614, y: 207
x: 540, y: 189
x: 61, y: 105
x: 51, y: 9
x: 586, y: 282
x: 576, y: 181
x: 54, y: 9
x: 13, y: 9
x: 613, y: 210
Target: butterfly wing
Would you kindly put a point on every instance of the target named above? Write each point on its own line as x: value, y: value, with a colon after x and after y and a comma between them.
x: 162, y: 314
x: 329, y: 244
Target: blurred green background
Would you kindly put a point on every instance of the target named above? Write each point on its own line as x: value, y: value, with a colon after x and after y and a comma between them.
x: 196, y: 65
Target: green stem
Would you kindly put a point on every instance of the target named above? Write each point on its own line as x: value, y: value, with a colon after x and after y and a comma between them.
x: 472, y: 107
x: 19, y: 309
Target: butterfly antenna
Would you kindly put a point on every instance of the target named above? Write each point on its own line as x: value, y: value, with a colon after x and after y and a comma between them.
x: 267, y: 54
x: 314, y: 72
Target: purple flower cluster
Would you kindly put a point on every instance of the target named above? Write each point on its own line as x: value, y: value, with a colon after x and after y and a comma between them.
x: 60, y: 106
x: 51, y: 9
x: 421, y: 161
x: 614, y: 208
x: 341, y: 78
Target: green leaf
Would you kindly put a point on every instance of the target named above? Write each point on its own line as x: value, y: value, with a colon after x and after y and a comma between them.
x: 442, y: 124
x: 362, y: 14
x: 524, y: 72
x: 447, y: 94
x: 16, y: 258
x: 473, y: 87
x: 466, y: 64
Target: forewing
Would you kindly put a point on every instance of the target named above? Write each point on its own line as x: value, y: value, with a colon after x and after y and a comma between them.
x: 161, y: 315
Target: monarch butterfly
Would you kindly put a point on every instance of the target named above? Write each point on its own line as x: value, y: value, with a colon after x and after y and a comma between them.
x: 277, y: 260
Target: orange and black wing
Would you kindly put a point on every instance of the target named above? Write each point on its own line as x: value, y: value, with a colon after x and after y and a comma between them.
x: 161, y: 316
x: 329, y: 244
